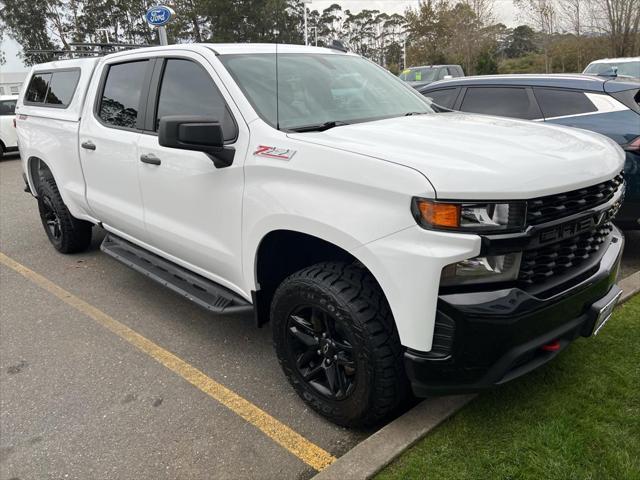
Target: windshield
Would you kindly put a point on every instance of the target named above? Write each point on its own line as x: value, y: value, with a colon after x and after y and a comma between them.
x: 320, y: 89
x: 425, y: 74
x: 629, y: 69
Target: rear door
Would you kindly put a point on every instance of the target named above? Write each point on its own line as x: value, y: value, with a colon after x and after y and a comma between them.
x: 109, y: 134
x: 193, y: 210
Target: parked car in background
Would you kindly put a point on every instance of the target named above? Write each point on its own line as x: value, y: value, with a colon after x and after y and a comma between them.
x: 627, y: 66
x: 420, y: 76
x: 8, y: 139
x: 610, y: 106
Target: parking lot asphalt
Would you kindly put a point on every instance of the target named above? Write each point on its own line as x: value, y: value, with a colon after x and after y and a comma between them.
x: 76, y: 401
x: 80, y: 401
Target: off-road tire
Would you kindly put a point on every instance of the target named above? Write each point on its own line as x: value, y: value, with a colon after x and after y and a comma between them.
x: 74, y: 235
x: 353, y: 296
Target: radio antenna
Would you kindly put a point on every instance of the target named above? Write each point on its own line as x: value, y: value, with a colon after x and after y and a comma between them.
x: 277, y: 77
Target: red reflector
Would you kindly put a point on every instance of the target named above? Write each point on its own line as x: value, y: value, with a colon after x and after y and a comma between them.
x: 551, y: 347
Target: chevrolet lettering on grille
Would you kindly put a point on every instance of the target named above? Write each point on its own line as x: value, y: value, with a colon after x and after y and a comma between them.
x: 571, y: 229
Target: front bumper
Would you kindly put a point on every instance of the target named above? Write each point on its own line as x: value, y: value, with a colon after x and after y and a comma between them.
x: 498, y: 335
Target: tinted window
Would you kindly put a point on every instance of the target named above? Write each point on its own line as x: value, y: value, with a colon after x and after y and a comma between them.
x: 52, y: 88
x: 38, y: 87
x: 556, y: 103
x: 8, y: 107
x: 61, y: 87
x: 506, y: 102
x: 187, y: 89
x: 121, y: 94
x: 445, y: 97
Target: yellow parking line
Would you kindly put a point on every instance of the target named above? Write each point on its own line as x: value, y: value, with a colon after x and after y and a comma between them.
x: 302, y: 448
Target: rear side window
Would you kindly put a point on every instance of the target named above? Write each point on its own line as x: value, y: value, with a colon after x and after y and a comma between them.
x: 506, y: 102
x: 558, y: 103
x: 53, y: 89
x: 61, y: 87
x: 8, y: 107
x: 38, y: 87
x: 187, y: 89
x: 445, y: 97
x: 120, y: 102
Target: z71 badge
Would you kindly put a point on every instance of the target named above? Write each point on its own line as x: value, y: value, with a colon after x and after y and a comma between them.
x: 274, y: 152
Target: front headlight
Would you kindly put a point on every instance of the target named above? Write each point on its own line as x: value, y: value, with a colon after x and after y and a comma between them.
x: 494, y: 217
x: 487, y: 269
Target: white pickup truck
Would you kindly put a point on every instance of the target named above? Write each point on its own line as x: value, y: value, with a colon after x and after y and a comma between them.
x: 393, y: 250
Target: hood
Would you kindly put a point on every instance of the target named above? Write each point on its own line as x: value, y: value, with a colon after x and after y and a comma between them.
x: 466, y: 156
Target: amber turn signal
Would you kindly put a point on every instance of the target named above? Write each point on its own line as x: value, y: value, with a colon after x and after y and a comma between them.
x: 440, y: 214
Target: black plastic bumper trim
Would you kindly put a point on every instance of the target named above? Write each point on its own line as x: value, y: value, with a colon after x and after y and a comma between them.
x: 499, y: 333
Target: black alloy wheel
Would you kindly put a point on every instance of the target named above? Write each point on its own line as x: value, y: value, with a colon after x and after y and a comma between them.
x: 65, y: 232
x: 51, y: 220
x: 337, y: 343
x: 322, y: 353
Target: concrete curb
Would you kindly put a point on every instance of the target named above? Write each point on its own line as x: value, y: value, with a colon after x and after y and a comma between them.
x: 376, y: 452
x: 373, y: 454
x: 630, y: 286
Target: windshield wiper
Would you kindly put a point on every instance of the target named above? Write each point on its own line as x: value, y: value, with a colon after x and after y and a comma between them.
x: 320, y: 127
x: 409, y: 114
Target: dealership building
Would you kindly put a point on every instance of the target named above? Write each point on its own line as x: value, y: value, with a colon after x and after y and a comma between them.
x: 10, y: 82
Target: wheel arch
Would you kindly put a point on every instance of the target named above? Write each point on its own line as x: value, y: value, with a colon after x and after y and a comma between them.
x: 37, y: 169
x: 283, y: 252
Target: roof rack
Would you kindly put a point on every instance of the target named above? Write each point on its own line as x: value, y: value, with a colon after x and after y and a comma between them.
x: 86, y: 50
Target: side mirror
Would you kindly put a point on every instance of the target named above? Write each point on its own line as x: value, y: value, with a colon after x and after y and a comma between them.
x: 201, y: 134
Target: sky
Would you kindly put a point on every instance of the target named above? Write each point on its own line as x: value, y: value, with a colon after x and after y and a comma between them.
x: 504, y: 12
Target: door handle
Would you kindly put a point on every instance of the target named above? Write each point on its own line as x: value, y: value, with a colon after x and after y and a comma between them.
x: 88, y: 145
x: 150, y: 158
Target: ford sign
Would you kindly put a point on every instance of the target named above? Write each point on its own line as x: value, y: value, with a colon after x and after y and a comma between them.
x: 159, y: 16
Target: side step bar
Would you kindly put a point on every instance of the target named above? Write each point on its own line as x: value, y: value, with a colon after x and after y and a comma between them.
x: 196, y: 288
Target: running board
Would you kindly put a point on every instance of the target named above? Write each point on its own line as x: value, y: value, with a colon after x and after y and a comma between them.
x: 196, y: 288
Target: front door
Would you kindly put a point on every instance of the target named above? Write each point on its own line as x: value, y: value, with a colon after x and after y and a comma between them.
x: 193, y: 210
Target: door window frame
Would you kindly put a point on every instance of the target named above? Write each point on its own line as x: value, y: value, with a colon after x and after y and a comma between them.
x: 153, y: 96
x: 144, y: 92
x: 458, y: 89
x: 559, y: 89
x: 532, y: 100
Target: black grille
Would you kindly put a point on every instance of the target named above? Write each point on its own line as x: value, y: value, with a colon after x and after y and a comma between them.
x: 540, y: 264
x: 552, y: 207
